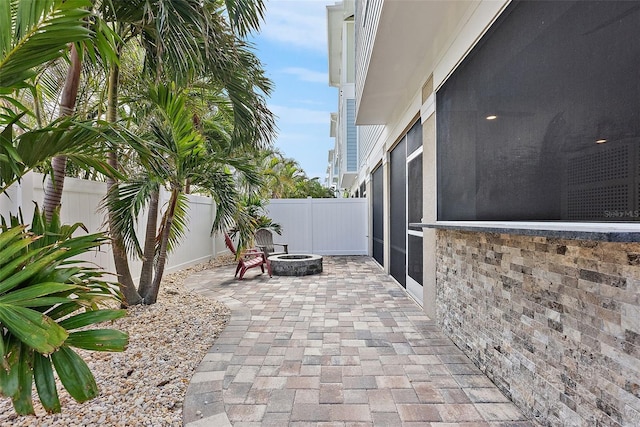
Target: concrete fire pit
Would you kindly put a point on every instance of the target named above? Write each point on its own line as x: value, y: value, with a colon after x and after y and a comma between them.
x: 295, y: 264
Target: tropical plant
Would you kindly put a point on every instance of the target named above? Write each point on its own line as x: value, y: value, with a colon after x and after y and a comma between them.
x: 285, y: 179
x: 185, y: 155
x: 48, y: 301
x: 286, y: 176
x: 26, y: 37
x: 190, y: 42
x: 313, y: 188
x: 55, y: 183
x: 32, y: 34
x: 252, y: 207
x: 48, y: 305
x: 80, y: 141
x: 24, y: 47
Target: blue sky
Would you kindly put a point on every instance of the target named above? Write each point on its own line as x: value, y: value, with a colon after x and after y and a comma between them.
x: 292, y: 46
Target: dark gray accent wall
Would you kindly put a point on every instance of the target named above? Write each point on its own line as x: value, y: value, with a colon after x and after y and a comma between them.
x: 398, y: 212
x: 561, y: 79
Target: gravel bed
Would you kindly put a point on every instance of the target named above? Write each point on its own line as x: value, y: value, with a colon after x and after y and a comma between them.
x: 146, y: 384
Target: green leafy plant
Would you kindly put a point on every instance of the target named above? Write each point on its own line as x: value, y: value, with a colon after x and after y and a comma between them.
x: 249, y: 217
x: 49, y: 303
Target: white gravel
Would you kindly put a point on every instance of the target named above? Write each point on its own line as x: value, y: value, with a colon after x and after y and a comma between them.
x: 146, y: 384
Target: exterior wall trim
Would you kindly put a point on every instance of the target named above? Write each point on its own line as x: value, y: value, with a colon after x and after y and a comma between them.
x: 428, y: 107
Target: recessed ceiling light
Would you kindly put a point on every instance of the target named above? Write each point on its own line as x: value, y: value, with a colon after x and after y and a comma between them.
x: 492, y: 117
x: 601, y: 141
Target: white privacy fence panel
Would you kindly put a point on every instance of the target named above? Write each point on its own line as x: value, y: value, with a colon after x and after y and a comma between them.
x: 196, y: 246
x: 80, y: 203
x: 321, y: 226
x: 294, y: 217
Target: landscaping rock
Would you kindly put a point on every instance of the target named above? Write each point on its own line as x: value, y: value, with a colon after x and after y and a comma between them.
x: 146, y: 384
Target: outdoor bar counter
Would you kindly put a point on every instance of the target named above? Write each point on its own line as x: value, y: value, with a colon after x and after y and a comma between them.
x: 604, y: 232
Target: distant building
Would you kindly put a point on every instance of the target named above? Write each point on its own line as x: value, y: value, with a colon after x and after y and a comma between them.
x: 342, y: 76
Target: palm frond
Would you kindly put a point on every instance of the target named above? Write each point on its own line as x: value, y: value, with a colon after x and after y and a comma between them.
x: 39, y: 285
x: 35, y: 32
x: 82, y: 141
x: 222, y: 188
x: 180, y: 223
x: 127, y: 201
x: 245, y: 15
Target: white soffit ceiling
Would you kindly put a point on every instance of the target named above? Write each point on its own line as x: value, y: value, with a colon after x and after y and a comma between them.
x: 410, y: 39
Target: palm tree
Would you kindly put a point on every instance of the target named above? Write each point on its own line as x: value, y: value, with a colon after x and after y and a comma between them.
x: 55, y: 183
x: 47, y: 301
x: 313, y: 188
x: 188, y: 151
x: 45, y: 297
x: 285, y: 178
x: 68, y: 96
x: 25, y: 47
x: 183, y: 40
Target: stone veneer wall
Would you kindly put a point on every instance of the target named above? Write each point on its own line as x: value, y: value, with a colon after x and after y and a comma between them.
x: 554, y: 323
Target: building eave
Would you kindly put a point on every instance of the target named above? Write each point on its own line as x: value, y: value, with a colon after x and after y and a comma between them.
x: 347, y: 179
x: 409, y: 40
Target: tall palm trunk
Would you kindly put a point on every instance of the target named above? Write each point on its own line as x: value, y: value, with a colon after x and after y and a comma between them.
x: 55, y: 183
x: 146, y: 274
x: 152, y: 295
x: 120, y: 258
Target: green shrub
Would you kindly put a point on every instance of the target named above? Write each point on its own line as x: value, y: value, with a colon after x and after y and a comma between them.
x: 48, y: 305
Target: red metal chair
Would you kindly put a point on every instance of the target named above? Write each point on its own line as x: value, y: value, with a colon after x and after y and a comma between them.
x: 248, y: 259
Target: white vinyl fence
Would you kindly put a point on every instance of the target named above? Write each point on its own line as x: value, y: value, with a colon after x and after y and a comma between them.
x: 80, y: 202
x: 321, y: 226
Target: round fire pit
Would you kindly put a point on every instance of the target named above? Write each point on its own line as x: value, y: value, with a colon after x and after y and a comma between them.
x: 295, y: 264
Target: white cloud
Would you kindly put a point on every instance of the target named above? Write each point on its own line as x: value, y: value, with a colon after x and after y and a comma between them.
x: 300, y: 116
x: 302, y: 23
x: 307, y: 75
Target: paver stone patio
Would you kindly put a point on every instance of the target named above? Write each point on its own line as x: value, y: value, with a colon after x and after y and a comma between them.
x: 347, y: 347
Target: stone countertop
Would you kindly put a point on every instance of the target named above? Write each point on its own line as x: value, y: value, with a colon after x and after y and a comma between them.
x: 597, y: 231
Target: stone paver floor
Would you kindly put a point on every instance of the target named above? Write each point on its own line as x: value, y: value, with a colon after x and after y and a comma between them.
x: 347, y: 347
